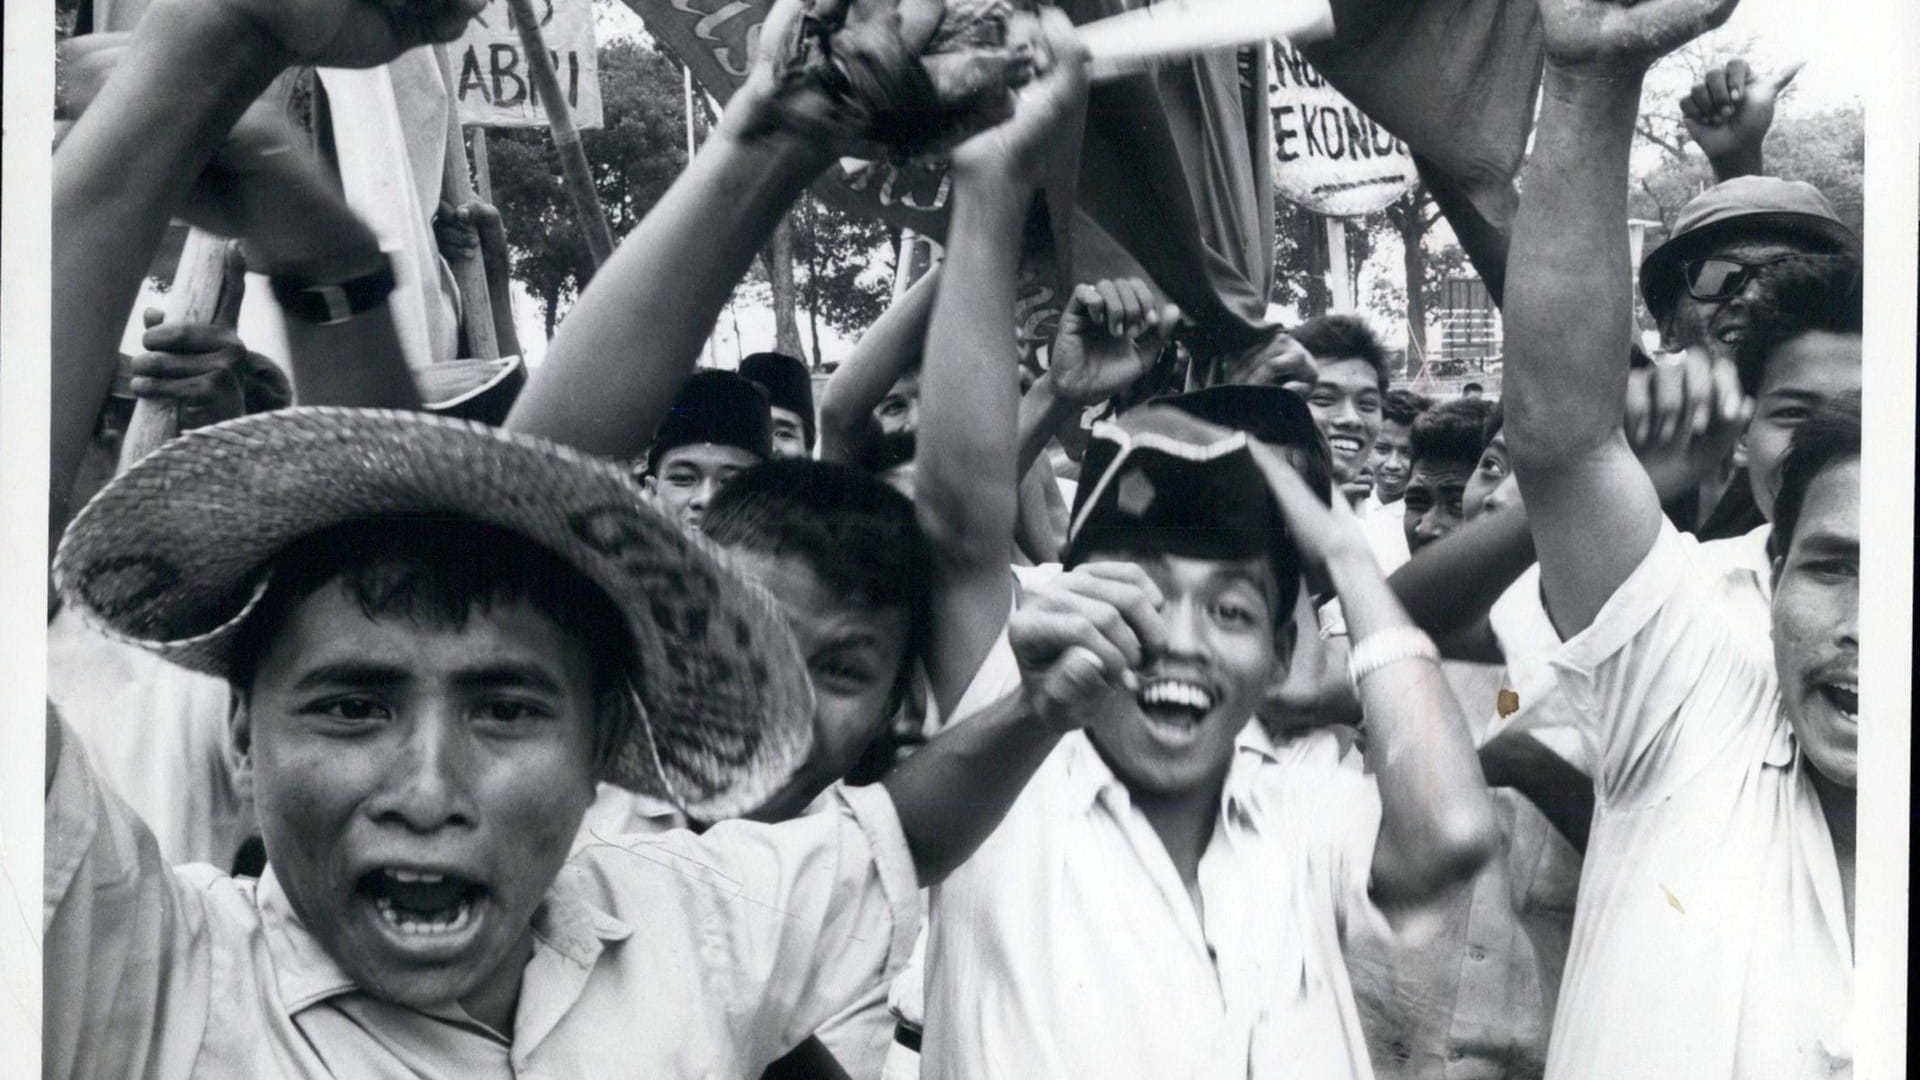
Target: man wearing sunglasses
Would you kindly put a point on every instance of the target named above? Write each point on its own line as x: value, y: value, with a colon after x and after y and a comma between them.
x: 1699, y: 285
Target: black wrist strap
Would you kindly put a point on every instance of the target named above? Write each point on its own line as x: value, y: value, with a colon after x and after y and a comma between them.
x: 326, y: 303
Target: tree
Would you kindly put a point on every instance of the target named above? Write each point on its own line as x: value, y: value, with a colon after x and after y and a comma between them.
x: 840, y: 253
x: 1410, y: 217
x: 634, y: 159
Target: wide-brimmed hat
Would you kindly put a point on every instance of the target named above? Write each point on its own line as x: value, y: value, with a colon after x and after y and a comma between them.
x: 1744, y: 203
x: 482, y: 390
x: 174, y: 554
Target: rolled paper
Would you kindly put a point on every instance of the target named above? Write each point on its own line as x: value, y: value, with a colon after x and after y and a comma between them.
x: 1137, y: 40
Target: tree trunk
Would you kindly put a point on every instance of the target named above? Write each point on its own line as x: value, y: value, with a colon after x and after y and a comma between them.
x: 551, y: 305
x: 1414, y: 262
x: 813, y: 279
x: 779, y: 256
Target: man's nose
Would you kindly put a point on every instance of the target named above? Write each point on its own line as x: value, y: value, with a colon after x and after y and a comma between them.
x: 427, y: 786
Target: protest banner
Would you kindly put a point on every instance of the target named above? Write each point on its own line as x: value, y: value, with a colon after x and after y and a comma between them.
x: 494, y: 81
x: 1328, y: 156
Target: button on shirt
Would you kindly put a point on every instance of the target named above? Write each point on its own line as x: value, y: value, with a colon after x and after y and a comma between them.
x: 1710, y: 938
x: 1069, y: 947
x: 658, y: 956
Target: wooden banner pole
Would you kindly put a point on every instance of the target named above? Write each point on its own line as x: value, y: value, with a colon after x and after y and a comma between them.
x: 482, y: 170
x: 566, y: 138
x: 456, y: 187
x: 1339, y: 277
x: 208, y: 282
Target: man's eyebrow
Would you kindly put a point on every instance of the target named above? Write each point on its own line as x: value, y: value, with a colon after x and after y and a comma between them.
x: 508, y: 675
x: 363, y: 673
x: 1827, y: 542
x: 1796, y: 393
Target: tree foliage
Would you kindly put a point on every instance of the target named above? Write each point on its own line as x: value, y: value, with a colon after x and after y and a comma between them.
x: 634, y: 159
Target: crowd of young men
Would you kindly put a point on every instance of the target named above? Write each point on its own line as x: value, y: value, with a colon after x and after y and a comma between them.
x: 677, y: 727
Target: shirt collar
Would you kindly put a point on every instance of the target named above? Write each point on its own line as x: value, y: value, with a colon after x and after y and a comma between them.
x: 1088, y: 776
x: 566, y: 923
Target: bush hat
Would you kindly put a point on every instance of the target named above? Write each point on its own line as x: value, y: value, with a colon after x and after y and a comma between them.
x: 174, y: 554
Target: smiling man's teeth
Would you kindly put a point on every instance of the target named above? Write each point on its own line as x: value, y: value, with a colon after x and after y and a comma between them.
x: 422, y: 925
x: 1186, y: 695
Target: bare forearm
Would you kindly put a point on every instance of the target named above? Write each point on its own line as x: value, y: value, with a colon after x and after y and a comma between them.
x: 620, y: 356
x: 966, y: 481
x: 355, y: 363
x: 953, y: 793
x: 1043, y: 412
x: 1451, y: 585
x: 1436, y: 823
x: 1039, y: 530
x: 885, y: 352
x: 1569, y: 306
x: 122, y: 171
x: 1563, y: 794
x: 1746, y: 161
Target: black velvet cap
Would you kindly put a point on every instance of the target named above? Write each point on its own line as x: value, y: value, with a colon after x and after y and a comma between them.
x: 1165, y: 479
x: 715, y: 407
x: 786, y: 382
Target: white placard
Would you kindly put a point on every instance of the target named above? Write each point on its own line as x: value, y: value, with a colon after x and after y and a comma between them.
x: 490, y: 67
x: 1328, y: 156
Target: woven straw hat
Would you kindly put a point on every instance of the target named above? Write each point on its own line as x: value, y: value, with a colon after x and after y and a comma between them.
x: 172, y: 556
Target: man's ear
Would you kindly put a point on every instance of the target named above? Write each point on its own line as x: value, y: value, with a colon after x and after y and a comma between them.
x: 651, y: 485
x: 1740, y: 450
x: 240, y: 744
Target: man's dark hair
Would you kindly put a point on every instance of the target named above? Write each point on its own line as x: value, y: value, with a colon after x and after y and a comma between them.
x: 1829, y: 436
x: 1403, y: 407
x: 879, y: 450
x: 859, y: 536
x: 1472, y: 386
x: 1496, y: 419
x: 1452, y: 431
x: 1343, y: 337
x: 1800, y: 295
x: 436, y: 572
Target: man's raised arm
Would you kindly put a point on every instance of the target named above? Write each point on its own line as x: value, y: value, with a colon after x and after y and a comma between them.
x: 1569, y: 308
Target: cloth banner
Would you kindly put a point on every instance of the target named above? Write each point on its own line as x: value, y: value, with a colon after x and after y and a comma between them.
x: 1328, y: 155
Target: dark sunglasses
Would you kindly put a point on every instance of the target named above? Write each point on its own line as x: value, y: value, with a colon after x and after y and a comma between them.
x: 1718, y: 277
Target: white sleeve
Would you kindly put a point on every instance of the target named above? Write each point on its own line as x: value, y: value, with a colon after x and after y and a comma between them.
x: 1660, y: 681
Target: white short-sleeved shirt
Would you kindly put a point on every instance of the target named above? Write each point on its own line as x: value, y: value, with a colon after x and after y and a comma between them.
x: 1740, y: 573
x: 1068, y: 946
x: 1385, y: 525
x: 1710, y: 938
x: 654, y: 956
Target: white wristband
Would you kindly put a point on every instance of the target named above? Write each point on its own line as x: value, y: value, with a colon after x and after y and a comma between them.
x: 1389, y: 646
